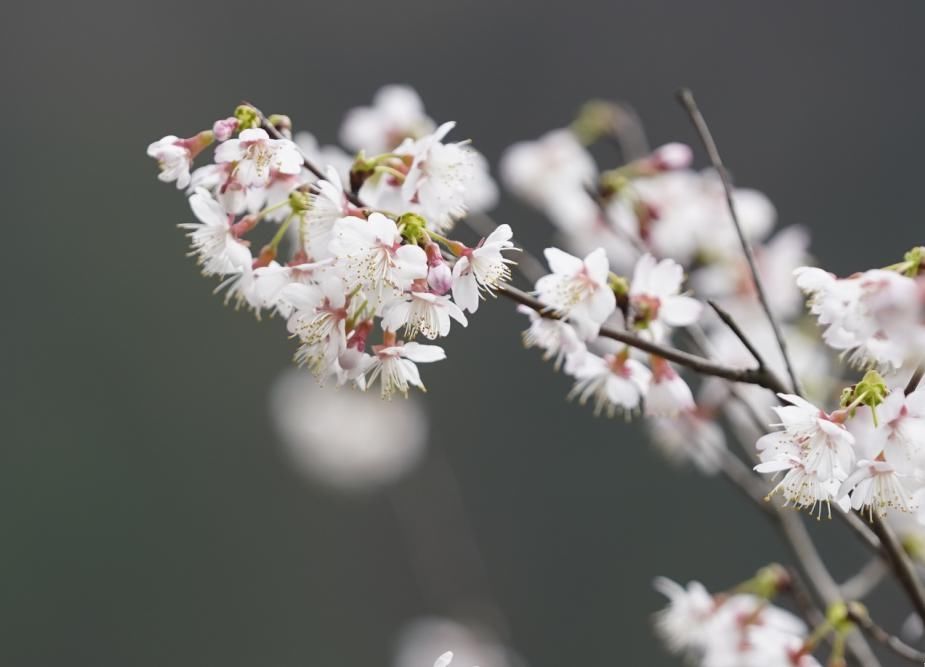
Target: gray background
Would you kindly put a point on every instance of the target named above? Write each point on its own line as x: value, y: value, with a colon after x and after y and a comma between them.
x: 148, y: 517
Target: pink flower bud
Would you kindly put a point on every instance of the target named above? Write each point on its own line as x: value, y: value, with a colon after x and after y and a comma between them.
x: 439, y: 276
x: 224, y: 129
x: 672, y: 156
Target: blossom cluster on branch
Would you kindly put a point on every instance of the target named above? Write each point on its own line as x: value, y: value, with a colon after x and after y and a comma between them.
x: 372, y: 256
x: 656, y: 275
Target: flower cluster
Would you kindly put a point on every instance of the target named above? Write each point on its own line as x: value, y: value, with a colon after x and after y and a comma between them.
x: 585, y: 296
x: 741, y: 629
x: 354, y: 246
x: 356, y: 257
x: 647, y: 226
x: 647, y: 230
x: 874, y: 317
x: 869, y: 454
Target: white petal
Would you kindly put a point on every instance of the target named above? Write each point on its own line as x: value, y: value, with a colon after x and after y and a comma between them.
x: 679, y: 311
x: 562, y: 262
x: 422, y: 353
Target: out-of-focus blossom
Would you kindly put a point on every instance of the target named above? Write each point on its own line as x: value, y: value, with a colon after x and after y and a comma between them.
x: 344, y: 438
x: 396, y: 114
x: 467, y: 644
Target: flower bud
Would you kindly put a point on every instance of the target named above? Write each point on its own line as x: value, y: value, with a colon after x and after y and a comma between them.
x: 247, y: 117
x: 225, y: 128
x: 671, y: 156
x: 439, y: 275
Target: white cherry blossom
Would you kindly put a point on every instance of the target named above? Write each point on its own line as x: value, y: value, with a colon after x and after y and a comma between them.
x: 217, y: 249
x: 422, y: 312
x: 655, y: 295
x: 614, y: 382
x: 668, y: 393
x: 174, y: 160
x: 256, y: 155
x: 877, y: 486
x: 397, y: 113
x: 479, y: 270
x: 578, y: 289
x: 372, y: 255
x: 393, y: 364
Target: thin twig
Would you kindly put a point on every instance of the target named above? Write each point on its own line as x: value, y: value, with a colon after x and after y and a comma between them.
x: 737, y: 330
x: 686, y: 97
x: 915, y: 379
x: 875, y: 632
x: 638, y: 244
x: 864, y: 580
x: 900, y: 564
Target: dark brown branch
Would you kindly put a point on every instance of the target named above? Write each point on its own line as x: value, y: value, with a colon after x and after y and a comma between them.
x: 915, y: 379
x: 760, y: 377
x: 737, y: 330
x: 686, y: 97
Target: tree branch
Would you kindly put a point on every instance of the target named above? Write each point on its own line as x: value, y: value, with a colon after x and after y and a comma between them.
x: 686, y: 97
x: 915, y: 379
x: 900, y: 564
x: 875, y: 632
x: 737, y: 330
x: 761, y: 377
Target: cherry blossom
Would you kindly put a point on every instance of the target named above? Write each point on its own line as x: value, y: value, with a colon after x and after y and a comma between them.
x: 655, y: 296
x: 393, y: 364
x: 256, y: 155
x: 578, y: 289
x: 397, y: 113
x: 479, y: 270
x: 215, y: 245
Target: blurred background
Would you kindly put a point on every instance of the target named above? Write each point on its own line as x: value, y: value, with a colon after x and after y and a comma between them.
x: 151, y: 513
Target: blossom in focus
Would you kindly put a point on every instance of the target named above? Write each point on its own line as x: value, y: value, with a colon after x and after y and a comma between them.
x: 256, y: 155
x: 393, y: 364
x: 429, y: 177
x: 558, y: 339
x: 174, y: 160
x: 217, y: 249
x: 815, y: 449
x: 898, y: 432
x: 655, y: 296
x: 439, y: 176
x: 327, y: 204
x: 479, y: 270
x: 372, y: 254
x: 578, y: 289
x: 877, y: 486
x: 422, y: 312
